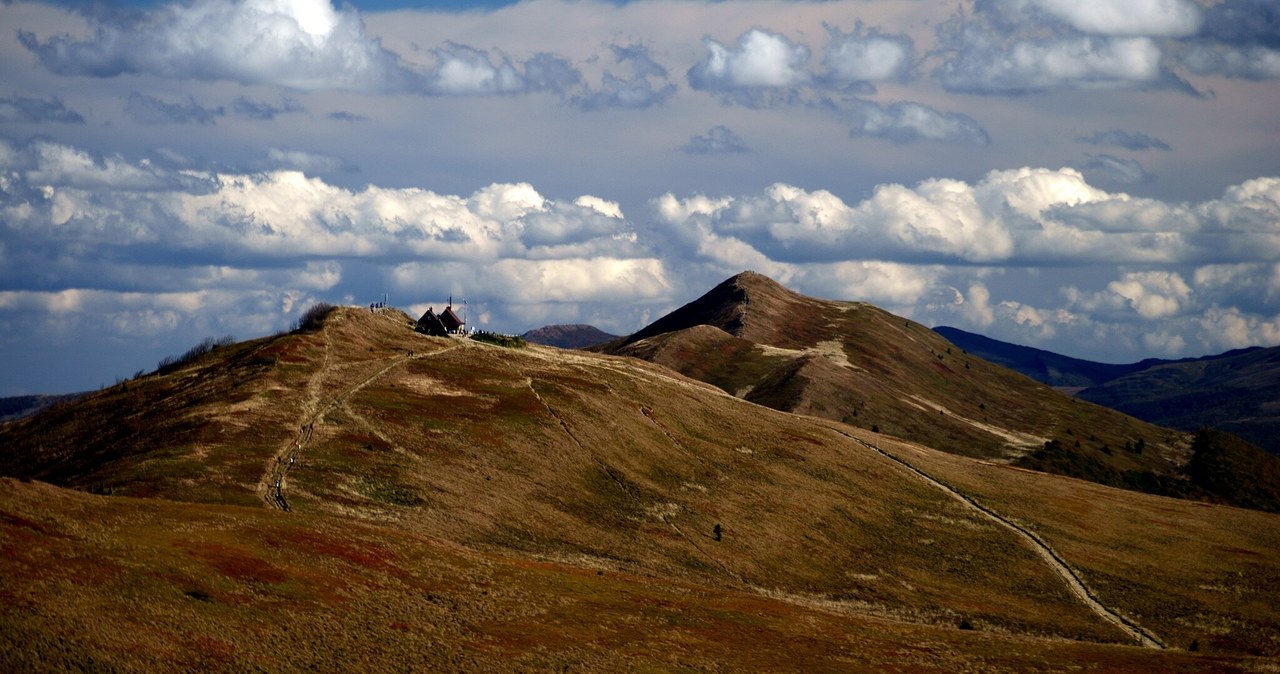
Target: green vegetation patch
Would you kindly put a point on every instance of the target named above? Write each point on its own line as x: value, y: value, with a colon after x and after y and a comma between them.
x: 509, y: 341
x: 389, y: 492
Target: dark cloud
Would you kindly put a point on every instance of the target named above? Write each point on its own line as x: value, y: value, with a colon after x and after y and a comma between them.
x: 1247, y: 63
x: 638, y: 58
x: 549, y: 72
x: 1125, y: 18
x: 1109, y: 168
x: 1135, y: 141
x: 145, y: 109
x: 906, y: 122
x: 615, y: 92
x: 1243, y: 23
x: 344, y: 116
x: 24, y: 109
x: 1238, y: 39
x: 462, y: 70
x: 1002, y: 55
x: 644, y: 86
x: 719, y: 140
x: 251, y: 109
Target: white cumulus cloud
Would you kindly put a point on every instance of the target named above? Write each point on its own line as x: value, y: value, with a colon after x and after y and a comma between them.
x: 303, y: 44
x: 868, y: 55
x: 763, y: 60
x: 1154, y: 18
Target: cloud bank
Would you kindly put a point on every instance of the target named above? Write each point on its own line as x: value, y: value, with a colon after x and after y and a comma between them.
x: 148, y: 248
x: 1082, y: 176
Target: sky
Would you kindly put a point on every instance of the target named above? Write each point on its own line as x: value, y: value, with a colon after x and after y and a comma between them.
x: 1100, y: 178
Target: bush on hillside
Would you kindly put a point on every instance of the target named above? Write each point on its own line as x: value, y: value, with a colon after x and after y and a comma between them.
x: 509, y: 341
x: 313, y: 318
x: 207, y: 345
x: 1235, y: 471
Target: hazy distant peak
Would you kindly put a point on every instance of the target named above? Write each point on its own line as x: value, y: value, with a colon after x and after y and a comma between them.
x: 575, y: 336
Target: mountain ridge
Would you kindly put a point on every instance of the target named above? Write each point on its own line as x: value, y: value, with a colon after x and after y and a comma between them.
x: 568, y: 336
x: 855, y: 363
x: 533, y: 507
x: 1234, y: 391
x: 1055, y: 369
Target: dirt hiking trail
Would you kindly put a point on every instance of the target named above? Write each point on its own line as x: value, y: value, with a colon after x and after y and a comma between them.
x: 1055, y: 561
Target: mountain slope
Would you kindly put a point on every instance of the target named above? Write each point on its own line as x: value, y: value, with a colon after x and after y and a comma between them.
x: 1234, y: 391
x: 1237, y: 392
x: 226, y: 588
x: 17, y: 407
x: 576, y: 336
x: 1043, y: 366
x: 500, y: 481
x: 855, y: 363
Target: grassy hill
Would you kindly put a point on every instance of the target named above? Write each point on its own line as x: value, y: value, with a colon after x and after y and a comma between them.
x: 857, y: 364
x: 361, y: 494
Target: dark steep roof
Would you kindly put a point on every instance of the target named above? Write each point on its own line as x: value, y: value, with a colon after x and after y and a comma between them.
x: 431, y: 324
x: 450, y: 319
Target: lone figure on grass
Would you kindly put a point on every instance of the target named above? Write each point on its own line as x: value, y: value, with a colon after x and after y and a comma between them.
x: 716, y: 530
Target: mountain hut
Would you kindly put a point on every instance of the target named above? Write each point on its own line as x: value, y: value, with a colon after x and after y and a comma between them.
x: 431, y: 324
x: 451, y: 321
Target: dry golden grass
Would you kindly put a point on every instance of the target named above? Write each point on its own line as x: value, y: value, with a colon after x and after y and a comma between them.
x: 120, y: 584
x: 477, y: 508
x: 860, y: 365
x: 1189, y: 571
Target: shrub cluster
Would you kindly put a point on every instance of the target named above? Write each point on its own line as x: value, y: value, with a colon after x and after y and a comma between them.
x: 313, y: 318
x: 206, y: 345
x: 509, y: 341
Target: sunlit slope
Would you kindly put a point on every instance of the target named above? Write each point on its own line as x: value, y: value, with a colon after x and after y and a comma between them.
x: 855, y: 363
x: 121, y: 584
x: 597, y: 460
x: 582, y: 461
x: 202, y: 430
x: 1191, y: 572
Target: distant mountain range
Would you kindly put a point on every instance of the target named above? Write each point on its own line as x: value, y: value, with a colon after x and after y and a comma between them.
x: 1237, y: 391
x: 577, y: 336
x: 17, y: 407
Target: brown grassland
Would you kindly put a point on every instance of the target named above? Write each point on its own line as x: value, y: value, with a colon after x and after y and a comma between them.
x: 454, y: 505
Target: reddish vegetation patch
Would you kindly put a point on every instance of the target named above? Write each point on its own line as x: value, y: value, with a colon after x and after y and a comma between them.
x: 812, y: 441
x: 18, y: 520
x: 235, y: 563
x: 285, y: 351
x: 214, y: 649
x: 359, y: 552
x: 1237, y: 551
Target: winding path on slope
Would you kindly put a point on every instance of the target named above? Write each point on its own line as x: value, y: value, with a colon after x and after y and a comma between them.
x: 313, y: 412
x: 1055, y: 561
x: 612, y: 474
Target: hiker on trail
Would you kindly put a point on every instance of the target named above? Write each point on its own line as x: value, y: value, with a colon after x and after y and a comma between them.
x: 716, y: 531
